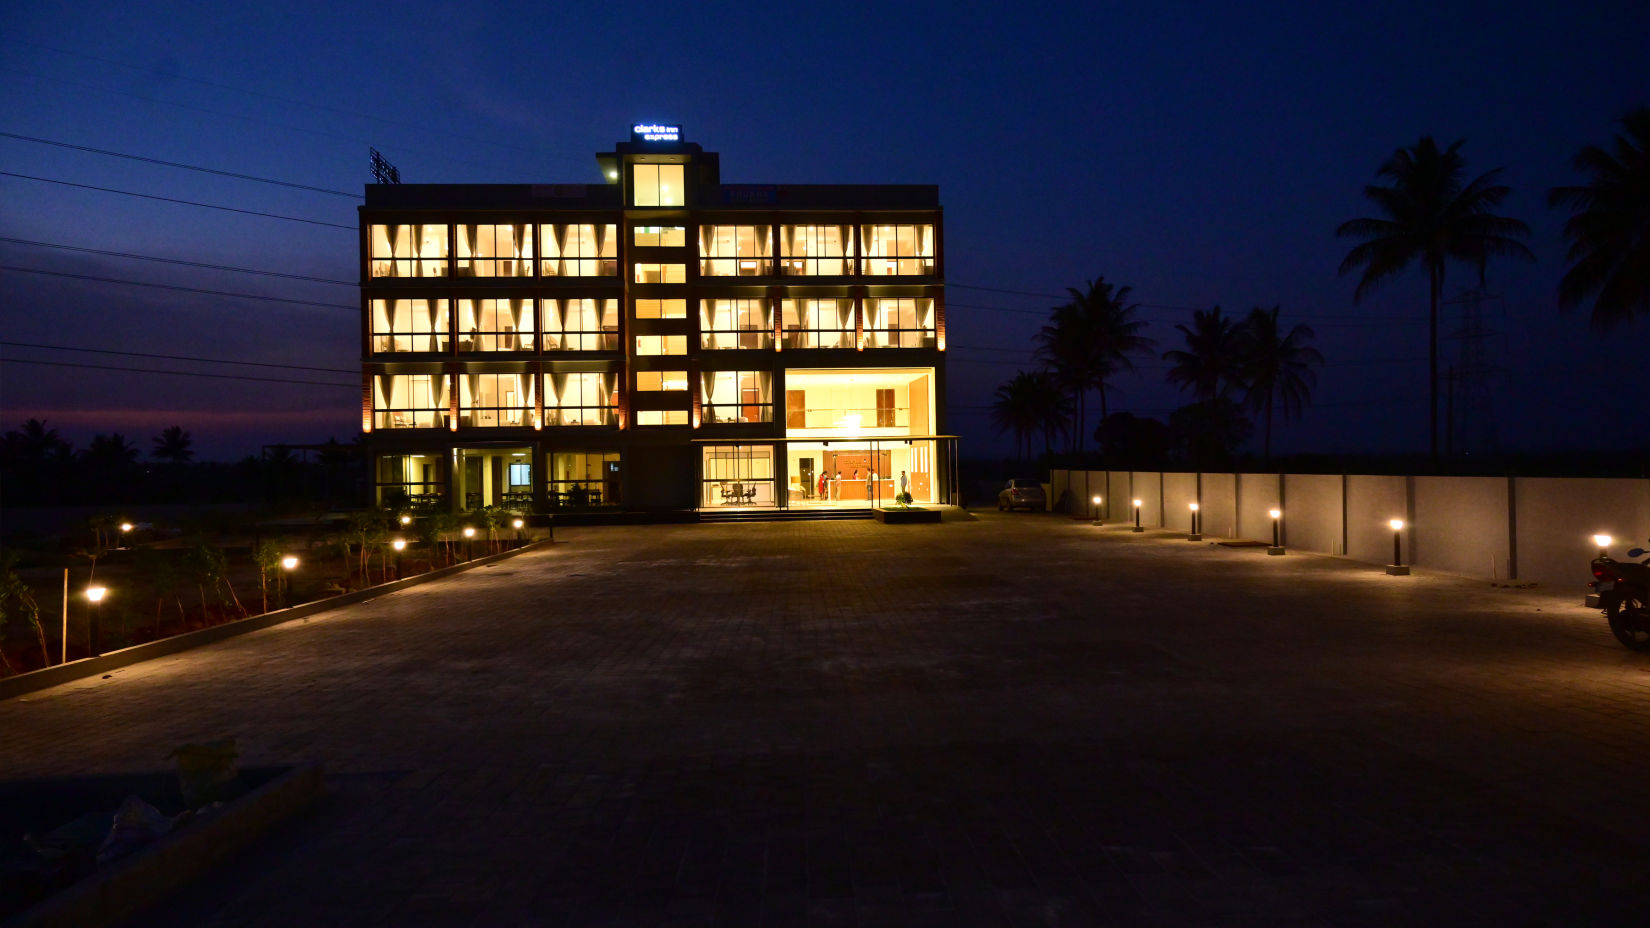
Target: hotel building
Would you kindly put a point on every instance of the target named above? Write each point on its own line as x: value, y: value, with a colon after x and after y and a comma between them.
x: 659, y: 340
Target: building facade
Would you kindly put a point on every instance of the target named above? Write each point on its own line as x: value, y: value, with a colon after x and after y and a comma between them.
x: 658, y: 341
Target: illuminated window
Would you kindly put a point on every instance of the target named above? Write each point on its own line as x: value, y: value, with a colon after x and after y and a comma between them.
x: 409, y: 401
x: 809, y: 251
x: 409, y: 325
x: 661, y: 344
x: 818, y: 323
x: 580, y: 398
x: 583, y: 478
x: 661, y: 273
x: 661, y: 381
x: 495, y: 325
x: 408, y: 251
x: 656, y: 185
x: 899, y: 323
x: 494, y: 251
x: 495, y: 400
x: 736, y: 396
x: 660, y: 236
x: 735, y: 251
x: 897, y: 250
x: 738, y: 475
x: 415, y: 480
x: 661, y: 309
x: 745, y: 323
x: 579, y: 250
x: 581, y: 325
x: 661, y: 417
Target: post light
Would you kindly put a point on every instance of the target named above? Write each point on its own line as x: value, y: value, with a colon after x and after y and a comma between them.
x: 94, y: 595
x: 288, y: 565
x: 406, y: 519
x: 1397, y: 568
x: 469, y: 542
x: 126, y: 526
x: 1096, y: 510
x: 289, y: 562
x: 517, y: 523
x: 1194, y: 535
x: 400, y: 545
x: 1603, y: 541
x: 1277, y: 522
x: 1137, y: 516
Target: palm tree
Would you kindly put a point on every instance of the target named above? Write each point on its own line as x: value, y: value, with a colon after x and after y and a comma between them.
x: 172, y: 445
x: 1609, y: 233
x: 1012, y: 410
x: 1090, y: 340
x: 1277, y: 368
x: 1210, y: 366
x: 1431, y: 216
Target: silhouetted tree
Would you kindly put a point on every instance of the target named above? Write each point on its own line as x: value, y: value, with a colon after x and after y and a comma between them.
x: 1208, y: 434
x: 110, y: 464
x: 1029, y: 404
x: 1133, y: 441
x: 1432, y: 217
x: 172, y: 445
x: 1089, y: 341
x: 1211, y: 365
x: 1277, y: 368
x: 1609, y: 232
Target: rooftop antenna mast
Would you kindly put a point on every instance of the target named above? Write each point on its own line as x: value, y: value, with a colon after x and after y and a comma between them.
x: 382, y: 171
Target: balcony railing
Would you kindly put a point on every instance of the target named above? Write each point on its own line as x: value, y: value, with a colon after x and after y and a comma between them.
x: 409, y: 419
x: 719, y: 413
x: 875, y: 417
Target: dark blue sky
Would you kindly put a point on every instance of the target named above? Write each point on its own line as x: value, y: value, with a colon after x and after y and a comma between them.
x: 1199, y: 155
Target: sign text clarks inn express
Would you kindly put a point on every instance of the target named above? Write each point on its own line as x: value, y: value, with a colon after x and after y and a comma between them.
x: 653, y: 133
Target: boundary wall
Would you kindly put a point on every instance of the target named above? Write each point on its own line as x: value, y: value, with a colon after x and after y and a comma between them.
x: 1532, y: 529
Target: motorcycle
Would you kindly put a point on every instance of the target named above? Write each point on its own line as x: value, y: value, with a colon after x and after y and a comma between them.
x: 1623, y: 591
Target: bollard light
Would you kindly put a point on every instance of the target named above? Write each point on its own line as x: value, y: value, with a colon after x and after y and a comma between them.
x: 1137, y: 516
x: 1096, y: 510
x: 406, y: 519
x: 400, y: 544
x: 469, y: 531
x: 1277, y: 521
x: 95, y: 594
x: 126, y: 526
x: 517, y: 524
x: 289, y: 562
x: 1397, y: 568
x: 1194, y: 535
x: 469, y: 542
x: 1603, y: 541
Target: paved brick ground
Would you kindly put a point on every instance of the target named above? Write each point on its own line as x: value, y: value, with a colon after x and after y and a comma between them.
x: 1002, y: 720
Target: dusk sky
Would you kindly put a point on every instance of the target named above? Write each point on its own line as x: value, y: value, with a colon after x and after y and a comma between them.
x: 1199, y: 153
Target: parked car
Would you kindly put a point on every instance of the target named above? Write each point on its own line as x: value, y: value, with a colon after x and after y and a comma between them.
x: 1022, y: 491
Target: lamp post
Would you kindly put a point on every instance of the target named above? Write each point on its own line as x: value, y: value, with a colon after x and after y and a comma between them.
x: 1137, y: 516
x: 1095, y: 510
x: 1277, y: 522
x: 400, y: 545
x: 517, y: 524
x: 1397, y: 568
x: 126, y: 529
x: 1194, y: 535
x: 406, y: 519
x: 288, y: 565
x: 469, y: 542
x: 94, y: 595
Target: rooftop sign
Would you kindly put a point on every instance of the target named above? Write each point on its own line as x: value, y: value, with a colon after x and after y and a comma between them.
x: 648, y: 132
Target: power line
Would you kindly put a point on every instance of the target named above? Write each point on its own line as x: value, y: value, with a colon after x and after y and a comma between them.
x: 187, y: 167
x: 140, y: 283
x: 150, y: 196
x: 215, y: 267
x: 179, y: 357
x: 151, y: 370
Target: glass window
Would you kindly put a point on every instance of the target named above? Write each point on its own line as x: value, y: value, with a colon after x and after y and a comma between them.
x: 494, y: 251
x: 809, y: 251
x: 744, y: 323
x: 661, y: 381
x: 579, y: 250
x: 409, y: 325
x: 735, y: 251
x: 897, y: 250
x: 738, y: 475
x: 661, y: 344
x: 736, y: 396
x: 585, y: 398
x: 656, y: 185
x: 661, y: 417
x: 581, y: 325
x: 818, y: 323
x: 661, y: 309
x: 578, y: 479
x: 495, y: 400
x: 905, y: 322
x: 408, y: 251
x: 409, y: 401
x: 418, y: 481
x: 661, y: 273
x: 495, y: 325
x: 660, y: 236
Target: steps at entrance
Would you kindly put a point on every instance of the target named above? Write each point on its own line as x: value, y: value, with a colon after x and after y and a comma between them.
x: 784, y: 515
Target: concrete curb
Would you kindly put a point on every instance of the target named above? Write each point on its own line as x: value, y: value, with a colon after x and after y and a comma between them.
x: 114, y: 893
x: 125, y: 657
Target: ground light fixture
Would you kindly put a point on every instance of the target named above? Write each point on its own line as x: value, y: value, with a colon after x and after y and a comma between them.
x: 1095, y: 512
x: 517, y: 523
x: 288, y: 565
x: 400, y: 545
x: 1397, y: 568
x: 94, y: 595
x: 406, y: 519
x: 1277, y: 527
x: 469, y: 542
x: 1603, y: 541
x: 1137, y: 516
x: 1194, y: 534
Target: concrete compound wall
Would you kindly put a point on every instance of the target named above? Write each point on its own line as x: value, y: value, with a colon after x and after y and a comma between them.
x: 1525, y: 528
